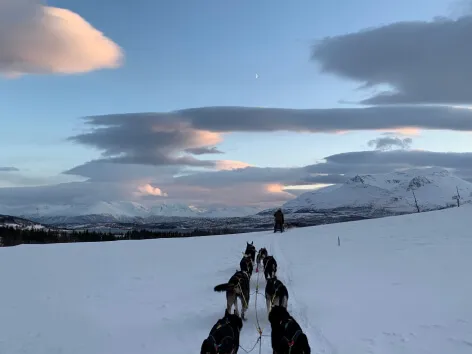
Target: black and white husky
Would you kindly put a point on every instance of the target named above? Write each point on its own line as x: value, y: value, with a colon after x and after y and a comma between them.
x: 270, y: 267
x: 236, y: 287
x: 260, y: 257
x: 276, y: 294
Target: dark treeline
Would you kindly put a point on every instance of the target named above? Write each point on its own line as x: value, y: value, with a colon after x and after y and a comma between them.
x: 10, y: 236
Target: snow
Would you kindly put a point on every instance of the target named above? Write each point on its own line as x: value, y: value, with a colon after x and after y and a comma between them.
x: 434, y: 188
x: 23, y: 227
x: 396, y: 285
x: 120, y: 209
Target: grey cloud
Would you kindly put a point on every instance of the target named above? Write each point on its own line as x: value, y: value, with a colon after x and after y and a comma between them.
x: 323, y: 179
x: 425, y: 62
x: 349, y: 169
x: 203, y: 151
x: 252, y: 119
x: 367, y: 162
x: 13, y: 177
x: 403, y: 158
x: 389, y: 142
x: 245, y: 175
x: 65, y: 193
x: 175, y: 138
x: 140, y: 140
x: 9, y: 169
x: 114, y: 172
x: 238, y: 187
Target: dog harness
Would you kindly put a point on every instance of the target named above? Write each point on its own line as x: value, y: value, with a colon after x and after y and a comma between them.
x: 226, y: 341
x: 240, y: 287
x: 276, y: 289
x: 291, y: 342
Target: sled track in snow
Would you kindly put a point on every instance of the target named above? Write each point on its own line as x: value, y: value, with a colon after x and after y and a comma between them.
x: 318, y: 342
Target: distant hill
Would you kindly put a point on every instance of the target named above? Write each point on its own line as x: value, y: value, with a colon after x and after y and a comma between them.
x: 434, y: 189
x: 19, y: 223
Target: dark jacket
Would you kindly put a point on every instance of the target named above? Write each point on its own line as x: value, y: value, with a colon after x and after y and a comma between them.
x: 279, y: 216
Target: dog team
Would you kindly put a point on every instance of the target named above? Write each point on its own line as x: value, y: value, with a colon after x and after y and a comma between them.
x: 287, y: 336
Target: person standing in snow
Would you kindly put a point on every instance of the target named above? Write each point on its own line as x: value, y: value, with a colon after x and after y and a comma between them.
x: 279, y: 221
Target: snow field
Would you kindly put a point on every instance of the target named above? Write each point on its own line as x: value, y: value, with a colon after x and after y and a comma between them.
x: 398, y: 285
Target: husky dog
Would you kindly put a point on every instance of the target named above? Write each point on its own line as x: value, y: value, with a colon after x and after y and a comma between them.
x: 260, y: 257
x: 270, y: 267
x: 224, y: 336
x: 251, y: 250
x: 276, y: 293
x: 236, y: 287
x: 287, y: 336
x: 246, y: 265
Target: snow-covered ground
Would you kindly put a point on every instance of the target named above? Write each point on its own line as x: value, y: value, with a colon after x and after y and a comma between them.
x: 434, y: 188
x: 398, y: 285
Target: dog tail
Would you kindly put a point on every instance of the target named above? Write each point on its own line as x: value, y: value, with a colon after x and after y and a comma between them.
x: 222, y: 287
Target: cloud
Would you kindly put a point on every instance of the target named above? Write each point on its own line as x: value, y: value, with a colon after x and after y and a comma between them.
x: 322, y: 179
x: 244, y: 194
x: 147, y: 189
x: 390, y: 142
x: 36, y: 39
x: 9, y: 169
x: 423, y: 62
x: 247, y: 186
x: 147, y: 140
x: 175, y: 138
x: 66, y: 193
x: 405, y: 158
x: 203, y: 150
x: 252, y: 119
x: 113, y: 172
x: 233, y: 178
x: 367, y: 162
x: 231, y: 165
x: 13, y: 177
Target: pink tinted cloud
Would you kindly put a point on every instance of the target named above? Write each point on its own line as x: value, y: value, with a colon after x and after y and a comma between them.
x: 228, y: 165
x: 148, y: 189
x: 247, y: 194
x: 43, y: 39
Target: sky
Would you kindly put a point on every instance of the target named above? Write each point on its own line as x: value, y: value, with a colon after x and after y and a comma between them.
x: 227, y: 102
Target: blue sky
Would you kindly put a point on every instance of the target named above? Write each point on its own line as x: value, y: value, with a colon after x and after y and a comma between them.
x: 189, y: 54
x: 183, y: 54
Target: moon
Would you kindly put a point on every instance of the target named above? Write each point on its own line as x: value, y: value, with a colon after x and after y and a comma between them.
x: 257, y: 76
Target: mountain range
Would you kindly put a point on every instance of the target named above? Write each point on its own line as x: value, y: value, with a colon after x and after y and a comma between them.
x: 433, y: 188
x: 367, y: 195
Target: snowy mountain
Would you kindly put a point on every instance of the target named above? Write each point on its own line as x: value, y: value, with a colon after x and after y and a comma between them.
x: 121, y: 211
x: 433, y: 188
x: 397, y: 285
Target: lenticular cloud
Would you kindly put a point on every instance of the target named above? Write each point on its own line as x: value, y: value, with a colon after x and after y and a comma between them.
x: 43, y: 39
